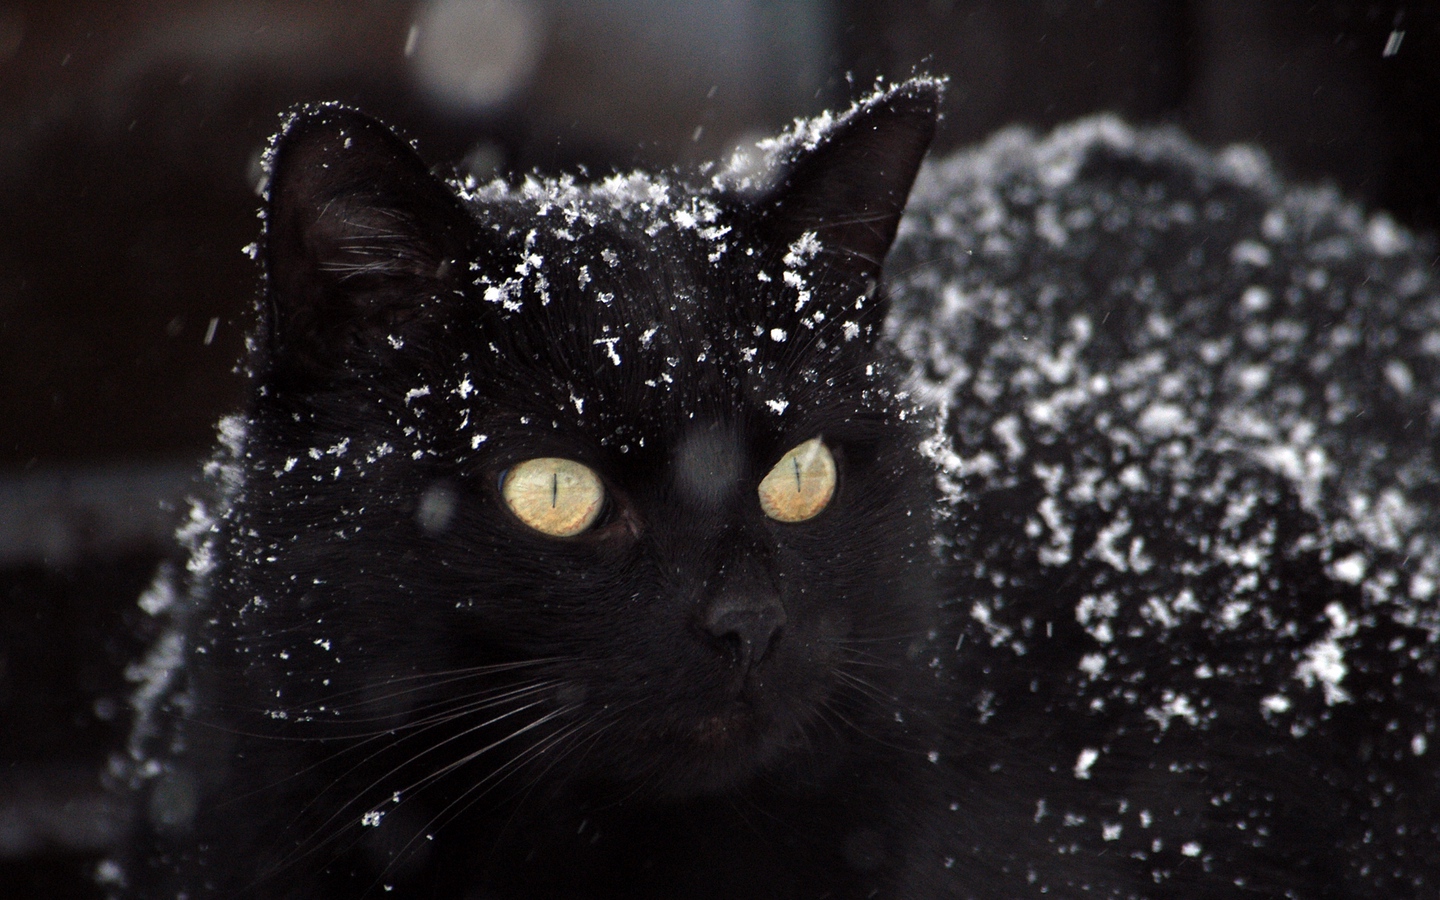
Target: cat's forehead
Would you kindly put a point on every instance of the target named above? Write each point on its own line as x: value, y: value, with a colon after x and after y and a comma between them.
x: 621, y: 273
x: 639, y: 306
x: 648, y: 322
x: 648, y: 200
x: 576, y: 221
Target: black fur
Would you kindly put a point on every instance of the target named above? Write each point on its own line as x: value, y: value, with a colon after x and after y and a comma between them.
x: 1027, y: 650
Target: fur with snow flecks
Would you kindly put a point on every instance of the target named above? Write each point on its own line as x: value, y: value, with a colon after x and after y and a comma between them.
x: 1190, y: 420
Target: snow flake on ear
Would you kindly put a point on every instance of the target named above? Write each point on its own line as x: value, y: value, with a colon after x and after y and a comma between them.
x: 744, y: 172
x: 804, y: 134
x: 640, y: 193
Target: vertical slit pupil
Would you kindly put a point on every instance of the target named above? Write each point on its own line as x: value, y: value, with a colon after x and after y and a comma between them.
x: 796, y: 461
x: 554, y: 488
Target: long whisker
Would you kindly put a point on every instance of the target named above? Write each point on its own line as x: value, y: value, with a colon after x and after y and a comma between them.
x: 606, y: 718
x: 415, y: 728
x: 822, y: 714
x: 419, y: 682
x: 350, y: 804
x: 440, y: 678
x: 429, y: 681
x: 311, y: 845
x: 474, y: 754
x: 871, y: 693
x: 856, y: 656
x: 484, y: 696
x: 897, y: 638
x: 830, y: 707
x: 499, y: 775
x: 866, y: 688
x: 491, y: 780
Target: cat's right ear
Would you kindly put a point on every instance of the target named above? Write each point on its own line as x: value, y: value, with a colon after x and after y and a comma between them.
x: 360, y: 240
x: 847, y: 182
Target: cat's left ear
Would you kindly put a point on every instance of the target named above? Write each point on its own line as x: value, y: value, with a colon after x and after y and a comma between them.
x: 361, y: 240
x: 848, y: 184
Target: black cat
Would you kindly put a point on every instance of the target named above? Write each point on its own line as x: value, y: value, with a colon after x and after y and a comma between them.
x: 588, y: 542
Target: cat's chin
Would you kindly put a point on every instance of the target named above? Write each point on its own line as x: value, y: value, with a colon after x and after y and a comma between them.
x: 725, y: 750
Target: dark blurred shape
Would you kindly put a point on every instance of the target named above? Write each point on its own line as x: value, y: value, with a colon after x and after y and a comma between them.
x: 63, y: 517
x: 1038, y: 63
x: 472, y: 57
x: 659, y: 81
x: 50, y: 808
x: 12, y: 31
x: 66, y: 636
x: 1309, y: 82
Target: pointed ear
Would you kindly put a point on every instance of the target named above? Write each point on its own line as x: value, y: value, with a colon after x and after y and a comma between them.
x: 360, y: 241
x: 850, y: 186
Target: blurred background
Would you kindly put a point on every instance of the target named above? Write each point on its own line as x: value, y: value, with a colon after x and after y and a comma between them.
x: 130, y: 138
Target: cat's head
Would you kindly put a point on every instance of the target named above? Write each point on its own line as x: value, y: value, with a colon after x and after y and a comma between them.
x: 635, y: 452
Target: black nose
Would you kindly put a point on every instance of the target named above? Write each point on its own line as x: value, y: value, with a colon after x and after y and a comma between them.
x: 747, y: 626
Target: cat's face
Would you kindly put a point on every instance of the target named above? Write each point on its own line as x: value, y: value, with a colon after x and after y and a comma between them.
x: 630, y: 453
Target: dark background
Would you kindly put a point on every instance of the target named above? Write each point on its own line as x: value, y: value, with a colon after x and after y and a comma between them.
x: 130, y: 135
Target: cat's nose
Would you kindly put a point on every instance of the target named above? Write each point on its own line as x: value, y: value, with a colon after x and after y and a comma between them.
x: 746, y: 625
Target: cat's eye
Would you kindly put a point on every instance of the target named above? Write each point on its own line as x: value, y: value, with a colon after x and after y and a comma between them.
x: 801, y: 483
x: 558, y: 497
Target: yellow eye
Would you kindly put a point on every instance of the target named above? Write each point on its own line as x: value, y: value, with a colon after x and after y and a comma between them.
x: 800, y: 485
x: 558, y: 497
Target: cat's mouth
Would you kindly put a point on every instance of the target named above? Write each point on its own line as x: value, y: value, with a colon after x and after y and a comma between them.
x: 726, y: 728
x: 721, y: 750
x: 710, y: 750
